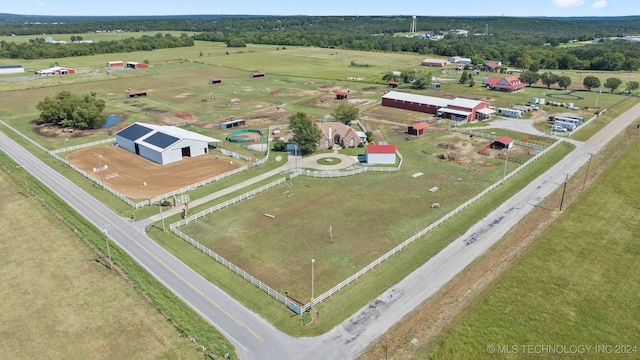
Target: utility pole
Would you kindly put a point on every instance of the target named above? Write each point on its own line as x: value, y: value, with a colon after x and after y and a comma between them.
x: 564, y: 188
x: 504, y: 172
x: 584, y: 184
x: 106, y: 238
x: 161, y: 216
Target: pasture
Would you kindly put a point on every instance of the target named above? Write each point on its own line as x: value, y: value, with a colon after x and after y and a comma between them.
x: 578, y: 284
x: 59, y: 300
x: 369, y: 214
x: 394, y: 206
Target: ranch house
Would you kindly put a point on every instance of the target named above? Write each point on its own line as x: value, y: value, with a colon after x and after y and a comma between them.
x: 507, y: 84
x: 339, y: 134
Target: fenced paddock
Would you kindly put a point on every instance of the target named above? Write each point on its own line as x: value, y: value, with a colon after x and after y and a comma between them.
x: 299, y: 308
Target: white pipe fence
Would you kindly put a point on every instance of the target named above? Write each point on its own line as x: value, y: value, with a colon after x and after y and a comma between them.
x: 299, y: 309
x: 491, y: 136
x: 422, y: 232
x: 294, y: 307
x: 225, y: 204
x: 82, y: 146
x: 188, y: 188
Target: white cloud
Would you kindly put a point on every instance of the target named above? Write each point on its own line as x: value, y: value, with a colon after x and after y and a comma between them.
x: 600, y: 4
x: 569, y: 3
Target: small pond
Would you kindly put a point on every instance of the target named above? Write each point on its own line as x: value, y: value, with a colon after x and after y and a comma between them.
x: 112, y: 120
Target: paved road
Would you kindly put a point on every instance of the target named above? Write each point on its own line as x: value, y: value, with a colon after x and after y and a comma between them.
x: 253, y: 337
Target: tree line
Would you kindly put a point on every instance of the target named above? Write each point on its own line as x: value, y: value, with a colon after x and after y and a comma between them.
x: 526, y: 43
x: 40, y: 49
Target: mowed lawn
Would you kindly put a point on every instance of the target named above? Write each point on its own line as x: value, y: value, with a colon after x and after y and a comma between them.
x: 578, y: 286
x: 59, y: 303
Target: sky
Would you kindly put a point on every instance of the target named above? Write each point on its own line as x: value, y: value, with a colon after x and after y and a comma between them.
x: 562, y: 8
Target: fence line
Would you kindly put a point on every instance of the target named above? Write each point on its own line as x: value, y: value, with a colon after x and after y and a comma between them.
x: 227, y: 203
x: 80, y: 171
x: 421, y: 233
x: 188, y: 188
x: 299, y: 309
x: 112, y: 191
x: 491, y: 136
x: 82, y: 146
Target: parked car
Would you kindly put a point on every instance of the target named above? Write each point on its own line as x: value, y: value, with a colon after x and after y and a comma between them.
x: 558, y: 128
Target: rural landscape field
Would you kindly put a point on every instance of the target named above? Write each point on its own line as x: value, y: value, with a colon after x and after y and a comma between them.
x: 318, y: 227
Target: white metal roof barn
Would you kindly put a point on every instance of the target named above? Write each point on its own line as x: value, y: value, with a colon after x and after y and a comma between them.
x: 162, y: 144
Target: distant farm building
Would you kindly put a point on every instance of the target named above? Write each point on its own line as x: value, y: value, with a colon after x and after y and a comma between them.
x: 215, y: 81
x: 459, y: 109
x: 502, y: 142
x: 492, y: 65
x: 507, y: 84
x: 435, y: 62
x: 341, y: 95
x: 460, y: 60
x: 115, y: 64
x: 257, y: 74
x: 417, y: 129
x: 232, y: 123
x: 393, y: 84
x: 56, y: 70
x: 380, y: 154
x: 162, y: 144
x: 134, y: 94
x: 337, y: 133
x: 137, y: 65
x: 11, y: 69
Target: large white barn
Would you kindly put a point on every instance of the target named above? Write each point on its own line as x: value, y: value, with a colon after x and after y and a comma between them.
x: 162, y: 144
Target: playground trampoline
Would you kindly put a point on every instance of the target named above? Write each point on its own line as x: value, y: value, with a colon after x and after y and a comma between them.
x: 245, y: 136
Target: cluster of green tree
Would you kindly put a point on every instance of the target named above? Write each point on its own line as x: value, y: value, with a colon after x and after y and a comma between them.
x: 418, y: 79
x: 590, y: 82
x: 558, y: 30
x: 40, y: 49
x: 71, y: 110
x: 526, y: 52
x: 527, y: 43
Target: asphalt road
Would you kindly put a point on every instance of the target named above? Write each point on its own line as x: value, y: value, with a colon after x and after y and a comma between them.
x: 253, y: 337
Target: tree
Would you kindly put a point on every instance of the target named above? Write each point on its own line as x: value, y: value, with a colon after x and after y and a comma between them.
x: 524, y: 62
x: 548, y: 78
x: 70, y: 110
x: 612, y: 83
x: 529, y: 77
x: 346, y: 112
x: 464, y: 78
x: 632, y: 86
x: 306, y: 135
x: 564, y: 82
x: 422, y: 81
x: 279, y: 145
x: 591, y: 82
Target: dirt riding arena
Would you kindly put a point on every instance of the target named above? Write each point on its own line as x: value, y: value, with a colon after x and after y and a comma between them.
x: 134, y: 171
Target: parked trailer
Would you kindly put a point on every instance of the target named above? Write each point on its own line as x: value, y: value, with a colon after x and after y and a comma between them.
x: 510, y: 112
x: 567, y: 125
x: 567, y: 119
x: 577, y: 118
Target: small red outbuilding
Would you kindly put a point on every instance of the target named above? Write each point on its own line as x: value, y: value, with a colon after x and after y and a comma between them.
x: 417, y: 129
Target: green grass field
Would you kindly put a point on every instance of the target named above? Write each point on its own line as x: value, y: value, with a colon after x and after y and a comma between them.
x: 577, y: 286
x: 59, y: 300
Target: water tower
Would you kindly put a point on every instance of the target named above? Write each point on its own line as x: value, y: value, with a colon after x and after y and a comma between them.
x: 413, y: 24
